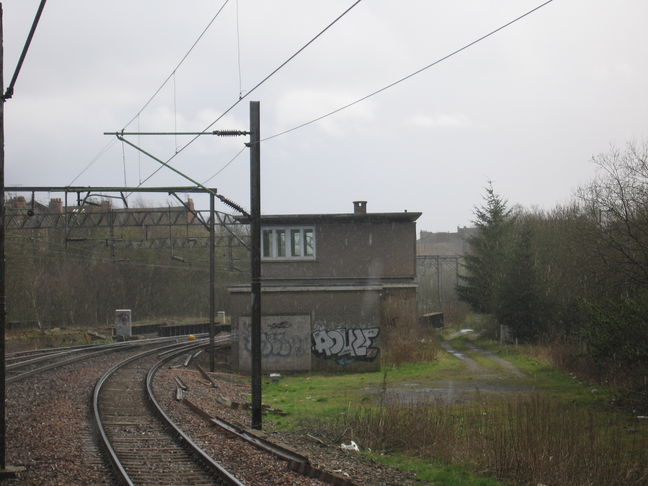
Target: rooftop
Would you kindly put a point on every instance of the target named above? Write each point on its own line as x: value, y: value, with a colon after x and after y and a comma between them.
x: 358, y: 216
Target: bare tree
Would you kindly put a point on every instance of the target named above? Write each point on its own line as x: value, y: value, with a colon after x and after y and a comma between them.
x: 617, y: 202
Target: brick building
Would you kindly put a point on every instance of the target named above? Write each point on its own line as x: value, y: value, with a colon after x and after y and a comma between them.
x: 331, y: 283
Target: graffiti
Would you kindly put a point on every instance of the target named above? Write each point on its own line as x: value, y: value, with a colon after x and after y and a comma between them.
x: 279, y: 325
x: 285, y: 342
x: 277, y: 345
x: 345, y: 345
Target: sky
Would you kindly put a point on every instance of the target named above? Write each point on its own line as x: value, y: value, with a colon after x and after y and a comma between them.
x: 526, y: 108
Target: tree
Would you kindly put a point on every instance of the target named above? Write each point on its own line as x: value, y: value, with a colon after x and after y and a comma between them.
x: 617, y: 204
x: 518, y: 299
x: 484, y: 261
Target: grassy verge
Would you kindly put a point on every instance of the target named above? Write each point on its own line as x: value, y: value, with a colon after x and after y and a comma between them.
x: 559, y: 435
x: 434, y: 472
x: 329, y: 395
x: 560, y: 384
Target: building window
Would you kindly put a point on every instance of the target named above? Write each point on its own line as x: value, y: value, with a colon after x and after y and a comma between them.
x: 288, y: 243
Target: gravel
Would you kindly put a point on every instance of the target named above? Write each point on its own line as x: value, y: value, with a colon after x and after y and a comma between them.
x: 330, y: 457
x: 50, y: 431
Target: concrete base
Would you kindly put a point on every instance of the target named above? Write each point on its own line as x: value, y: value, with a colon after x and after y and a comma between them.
x: 9, y: 472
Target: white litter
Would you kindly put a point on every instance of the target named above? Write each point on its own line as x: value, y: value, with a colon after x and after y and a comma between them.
x: 350, y: 447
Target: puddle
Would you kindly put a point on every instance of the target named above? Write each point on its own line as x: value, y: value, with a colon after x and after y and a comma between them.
x: 446, y: 392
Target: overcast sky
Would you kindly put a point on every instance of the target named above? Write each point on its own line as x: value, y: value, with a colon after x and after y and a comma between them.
x: 526, y: 108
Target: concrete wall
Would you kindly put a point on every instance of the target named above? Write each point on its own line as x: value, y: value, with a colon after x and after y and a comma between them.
x: 344, y: 331
x: 339, y: 329
x: 354, y: 250
x: 285, y: 342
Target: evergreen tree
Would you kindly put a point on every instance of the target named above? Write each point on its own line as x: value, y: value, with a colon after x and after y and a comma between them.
x: 519, y: 294
x: 484, y: 262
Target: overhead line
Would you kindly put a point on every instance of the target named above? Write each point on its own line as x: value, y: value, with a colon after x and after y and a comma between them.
x: 178, y: 65
x: 224, y: 166
x: 94, y: 159
x: 148, y: 102
x: 248, y: 93
x: 404, y: 78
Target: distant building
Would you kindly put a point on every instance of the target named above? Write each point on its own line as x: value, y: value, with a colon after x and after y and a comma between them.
x: 331, y: 284
x: 444, y: 243
x: 439, y: 259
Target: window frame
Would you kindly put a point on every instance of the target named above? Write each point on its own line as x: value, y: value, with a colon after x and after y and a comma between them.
x: 288, y: 243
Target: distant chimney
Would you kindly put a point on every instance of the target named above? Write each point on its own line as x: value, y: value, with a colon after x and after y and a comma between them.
x: 20, y: 202
x: 56, y: 205
x: 359, y: 207
x: 191, y: 215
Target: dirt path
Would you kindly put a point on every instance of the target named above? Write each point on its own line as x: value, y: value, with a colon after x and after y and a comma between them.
x: 484, y: 374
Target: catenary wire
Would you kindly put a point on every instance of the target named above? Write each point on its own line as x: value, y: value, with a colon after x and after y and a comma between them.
x: 238, y: 49
x: 224, y: 166
x: 99, y: 154
x: 404, y: 78
x: 241, y: 98
x: 148, y: 102
x: 184, y: 58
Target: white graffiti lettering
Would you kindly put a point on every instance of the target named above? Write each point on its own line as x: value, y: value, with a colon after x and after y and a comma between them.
x: 345, y: 343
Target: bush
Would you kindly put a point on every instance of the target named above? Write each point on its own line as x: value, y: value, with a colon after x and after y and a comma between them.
x: 411, y: 345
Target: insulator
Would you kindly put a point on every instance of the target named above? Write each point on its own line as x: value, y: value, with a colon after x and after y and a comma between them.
x: 229, y: 133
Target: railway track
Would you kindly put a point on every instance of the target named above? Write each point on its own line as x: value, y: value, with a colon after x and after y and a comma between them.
x: 143, y: 444
x: 23, y: 365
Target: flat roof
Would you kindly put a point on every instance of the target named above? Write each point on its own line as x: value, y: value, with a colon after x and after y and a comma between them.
x: 268, y: 219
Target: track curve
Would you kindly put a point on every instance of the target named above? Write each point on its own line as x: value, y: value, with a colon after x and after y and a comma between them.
x: 139, y: 445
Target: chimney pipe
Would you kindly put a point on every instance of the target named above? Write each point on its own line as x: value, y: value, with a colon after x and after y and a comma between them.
x: 359, y: 207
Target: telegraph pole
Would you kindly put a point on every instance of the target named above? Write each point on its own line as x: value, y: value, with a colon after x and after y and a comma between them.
x: 3, y: 423
x: 255, y: 287
x: 212, y: 279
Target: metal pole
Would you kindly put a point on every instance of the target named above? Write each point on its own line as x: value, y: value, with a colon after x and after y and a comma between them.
x: 255, y: 230
x: 212, y: 278
x: 438, y: 265
x: 3, y: 423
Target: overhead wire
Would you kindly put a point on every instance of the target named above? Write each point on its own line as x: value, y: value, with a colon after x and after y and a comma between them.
x: 224, y: 166
x: 238, y: 50
x: 184, y: 58
x: 99, y: 154
x: 249, y: 92
x: 411, y: 75
x: 390, y: 85
x: 152, y: 97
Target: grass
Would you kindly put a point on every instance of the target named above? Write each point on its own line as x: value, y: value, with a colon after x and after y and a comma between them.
x: 329, y: 395
x: 523, y: 440
x: 435, y: 472
x: 561, y: 384
x: 563, y: 434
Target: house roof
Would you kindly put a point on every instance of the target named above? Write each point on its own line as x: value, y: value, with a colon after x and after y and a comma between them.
x: 272, y: 219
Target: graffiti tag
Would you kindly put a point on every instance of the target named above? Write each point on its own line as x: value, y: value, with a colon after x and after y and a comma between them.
x: 345, y: 345
x: 279, y: 325
x: 277, y: 345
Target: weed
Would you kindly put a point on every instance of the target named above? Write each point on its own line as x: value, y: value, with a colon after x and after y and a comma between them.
x: 526, y: 439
